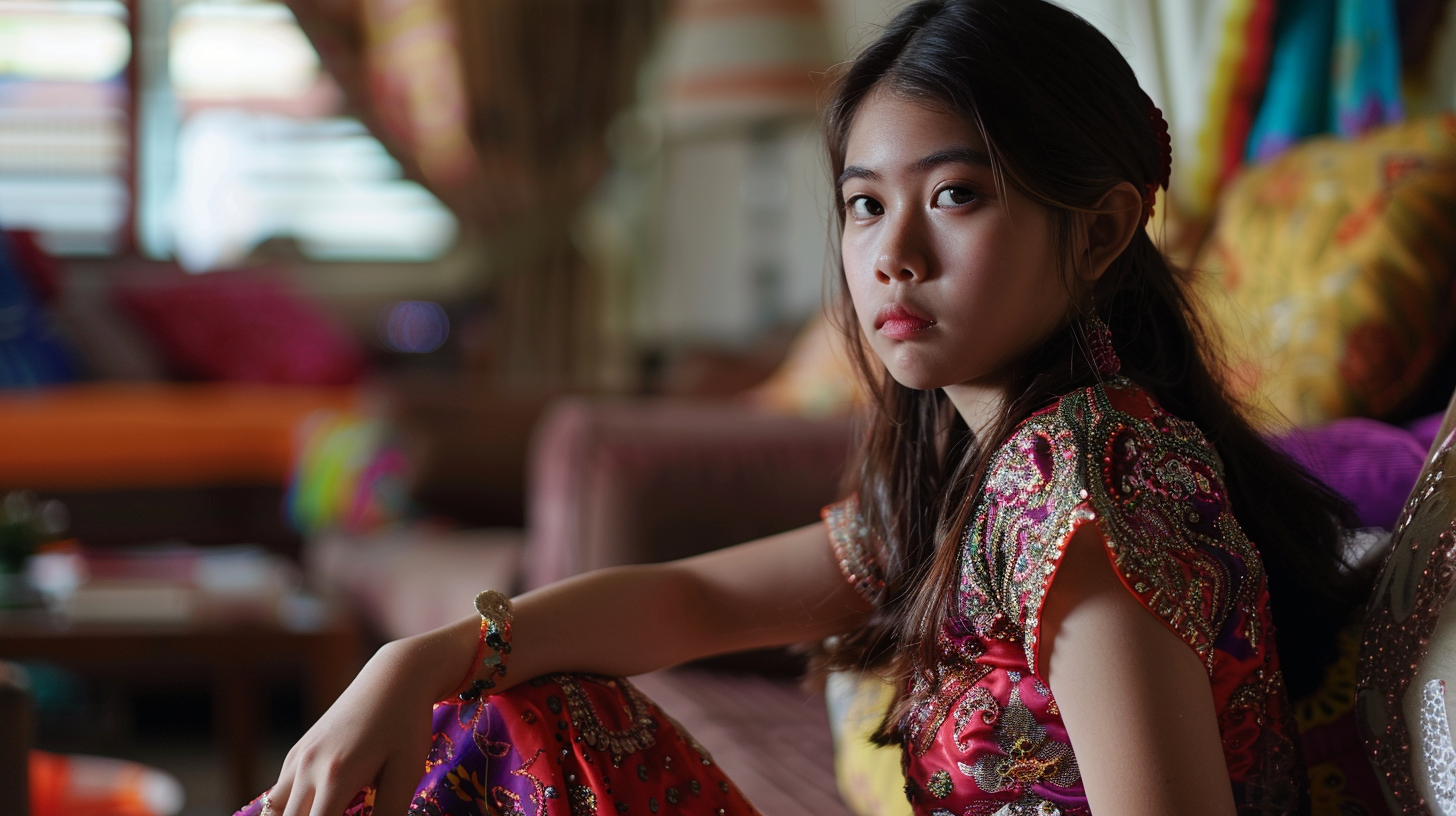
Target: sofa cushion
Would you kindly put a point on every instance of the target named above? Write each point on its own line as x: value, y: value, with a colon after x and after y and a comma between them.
x: 243, y: 327
x: 1336, y: 264
x: 816, y: 379
x: 870, y: 779
x: 769, y: 735
x: 1370, y: 463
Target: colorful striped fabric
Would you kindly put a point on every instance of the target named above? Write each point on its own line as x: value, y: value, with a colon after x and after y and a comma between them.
x: 1204, y: 62
x: 1336, y: 69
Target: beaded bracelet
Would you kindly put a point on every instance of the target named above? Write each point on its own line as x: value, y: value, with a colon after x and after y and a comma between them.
x: 496, y: 614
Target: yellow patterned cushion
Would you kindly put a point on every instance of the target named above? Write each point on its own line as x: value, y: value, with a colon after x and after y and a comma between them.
x: 871, y: 782
x: 1336, y: 263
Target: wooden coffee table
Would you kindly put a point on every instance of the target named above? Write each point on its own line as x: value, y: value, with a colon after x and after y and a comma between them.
x: 231, y: 652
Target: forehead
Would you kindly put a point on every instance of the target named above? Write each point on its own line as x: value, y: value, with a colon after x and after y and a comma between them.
x: 890, y: 131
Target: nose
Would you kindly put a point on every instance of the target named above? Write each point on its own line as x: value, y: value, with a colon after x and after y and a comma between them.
x: 902, y: 254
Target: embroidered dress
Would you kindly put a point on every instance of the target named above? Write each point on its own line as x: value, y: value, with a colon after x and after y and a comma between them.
x: 562, y: 745
x: 986, y: 737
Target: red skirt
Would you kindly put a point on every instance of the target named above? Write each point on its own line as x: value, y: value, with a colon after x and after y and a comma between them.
x: 563, y: 745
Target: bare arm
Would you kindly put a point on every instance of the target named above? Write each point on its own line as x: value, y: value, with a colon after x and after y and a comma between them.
x: 628, y: 620
x: 1135, y: 698
x: 771, y: 592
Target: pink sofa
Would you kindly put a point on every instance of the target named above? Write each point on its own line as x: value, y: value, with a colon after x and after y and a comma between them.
x: 637, y: 481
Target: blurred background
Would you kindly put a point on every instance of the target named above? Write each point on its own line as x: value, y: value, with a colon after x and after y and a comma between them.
x: 319, y: 316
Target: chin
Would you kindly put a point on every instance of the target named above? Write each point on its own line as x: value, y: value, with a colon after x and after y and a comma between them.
x: 918, y: 380
x: 920, y: 368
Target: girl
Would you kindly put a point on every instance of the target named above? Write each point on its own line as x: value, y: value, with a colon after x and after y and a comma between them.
x: 1050, y: 545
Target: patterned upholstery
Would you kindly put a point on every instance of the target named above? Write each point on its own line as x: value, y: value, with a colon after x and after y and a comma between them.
x: 1409, y: 651
x: 1335, y: 265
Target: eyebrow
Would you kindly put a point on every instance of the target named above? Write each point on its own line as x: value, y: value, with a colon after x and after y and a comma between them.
x: 951, y: 155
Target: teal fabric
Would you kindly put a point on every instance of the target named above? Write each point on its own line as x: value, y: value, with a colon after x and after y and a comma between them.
x: 1335, y: 69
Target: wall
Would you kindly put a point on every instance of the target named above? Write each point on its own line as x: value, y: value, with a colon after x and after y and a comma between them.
x: 697, y: 283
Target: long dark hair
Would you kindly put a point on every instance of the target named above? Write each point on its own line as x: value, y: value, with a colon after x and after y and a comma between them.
x: 1064, y: 121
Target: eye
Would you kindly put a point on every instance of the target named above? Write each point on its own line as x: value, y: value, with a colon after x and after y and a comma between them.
x: 954, y: 197
x: 862, y: 206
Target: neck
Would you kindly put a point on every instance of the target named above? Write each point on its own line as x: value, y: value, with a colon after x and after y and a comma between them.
x: 980, y: 404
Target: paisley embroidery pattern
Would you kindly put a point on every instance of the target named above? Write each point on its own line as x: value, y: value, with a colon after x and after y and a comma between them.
x: 619, y: 744
x: 1154, y: 486
x: 952, y: 687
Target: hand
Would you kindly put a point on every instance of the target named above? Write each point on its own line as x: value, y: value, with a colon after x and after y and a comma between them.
x: 377, y: 733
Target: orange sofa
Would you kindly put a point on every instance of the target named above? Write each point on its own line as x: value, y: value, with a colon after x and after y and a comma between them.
x: 140, y: 462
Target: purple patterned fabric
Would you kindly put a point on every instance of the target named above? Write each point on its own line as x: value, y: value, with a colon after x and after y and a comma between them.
x: 562, y: 745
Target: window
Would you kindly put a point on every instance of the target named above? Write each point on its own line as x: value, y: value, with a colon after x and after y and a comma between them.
x: 262, y: 151
x: 241, y: 138
x: 65, y: 140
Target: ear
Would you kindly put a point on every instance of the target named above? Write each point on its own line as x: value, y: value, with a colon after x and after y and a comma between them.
x: 1108, y: 230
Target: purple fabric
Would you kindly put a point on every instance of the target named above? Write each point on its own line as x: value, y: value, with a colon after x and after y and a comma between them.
x: 1424, y: 430
x: 1370, y: 463
x: 562, y: 745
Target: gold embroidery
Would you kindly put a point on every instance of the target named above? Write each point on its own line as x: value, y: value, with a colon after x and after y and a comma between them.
x: 854, y: 549
x: 584, y: 719
x: 1030, y: 756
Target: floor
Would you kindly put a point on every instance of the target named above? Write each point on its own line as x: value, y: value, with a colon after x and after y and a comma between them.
x: 167, y: 729
x: 195, y: 763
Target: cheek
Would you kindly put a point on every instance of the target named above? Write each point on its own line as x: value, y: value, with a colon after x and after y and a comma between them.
x: 859, y: 280
x: 1020, y: 273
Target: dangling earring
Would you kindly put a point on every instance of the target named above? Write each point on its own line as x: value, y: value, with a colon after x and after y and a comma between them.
x: 1099, y: 345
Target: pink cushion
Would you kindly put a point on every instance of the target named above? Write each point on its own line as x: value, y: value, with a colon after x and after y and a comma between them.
x: 243, y: 327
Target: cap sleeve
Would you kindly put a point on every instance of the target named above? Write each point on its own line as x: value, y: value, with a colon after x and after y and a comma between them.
x: 855, y: 550
x: 1156, y: 488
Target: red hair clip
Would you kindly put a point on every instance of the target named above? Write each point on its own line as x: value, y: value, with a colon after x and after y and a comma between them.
x: 1165, y: 158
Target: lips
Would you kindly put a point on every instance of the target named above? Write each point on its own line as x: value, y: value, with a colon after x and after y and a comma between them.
x: 899, y: 322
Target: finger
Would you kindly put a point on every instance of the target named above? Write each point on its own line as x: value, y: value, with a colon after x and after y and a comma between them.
x: 397, y: 784
x: 298, y: 802
x: 332, y: 797
x: 278, y: 795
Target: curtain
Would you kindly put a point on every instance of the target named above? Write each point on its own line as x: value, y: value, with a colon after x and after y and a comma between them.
x: 1204, y: 63
x: 1241, y: 80
x: 1336, y: 69
x: 500, y: 108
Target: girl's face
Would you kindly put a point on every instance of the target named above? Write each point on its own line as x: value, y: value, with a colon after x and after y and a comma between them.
x: 952, y: 281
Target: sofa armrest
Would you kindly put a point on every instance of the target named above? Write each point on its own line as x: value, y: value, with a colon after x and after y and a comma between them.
x: 15, y: 737
x: 637, y: 481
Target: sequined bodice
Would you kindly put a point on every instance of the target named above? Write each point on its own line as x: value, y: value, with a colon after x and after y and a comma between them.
x: 985, y: 736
